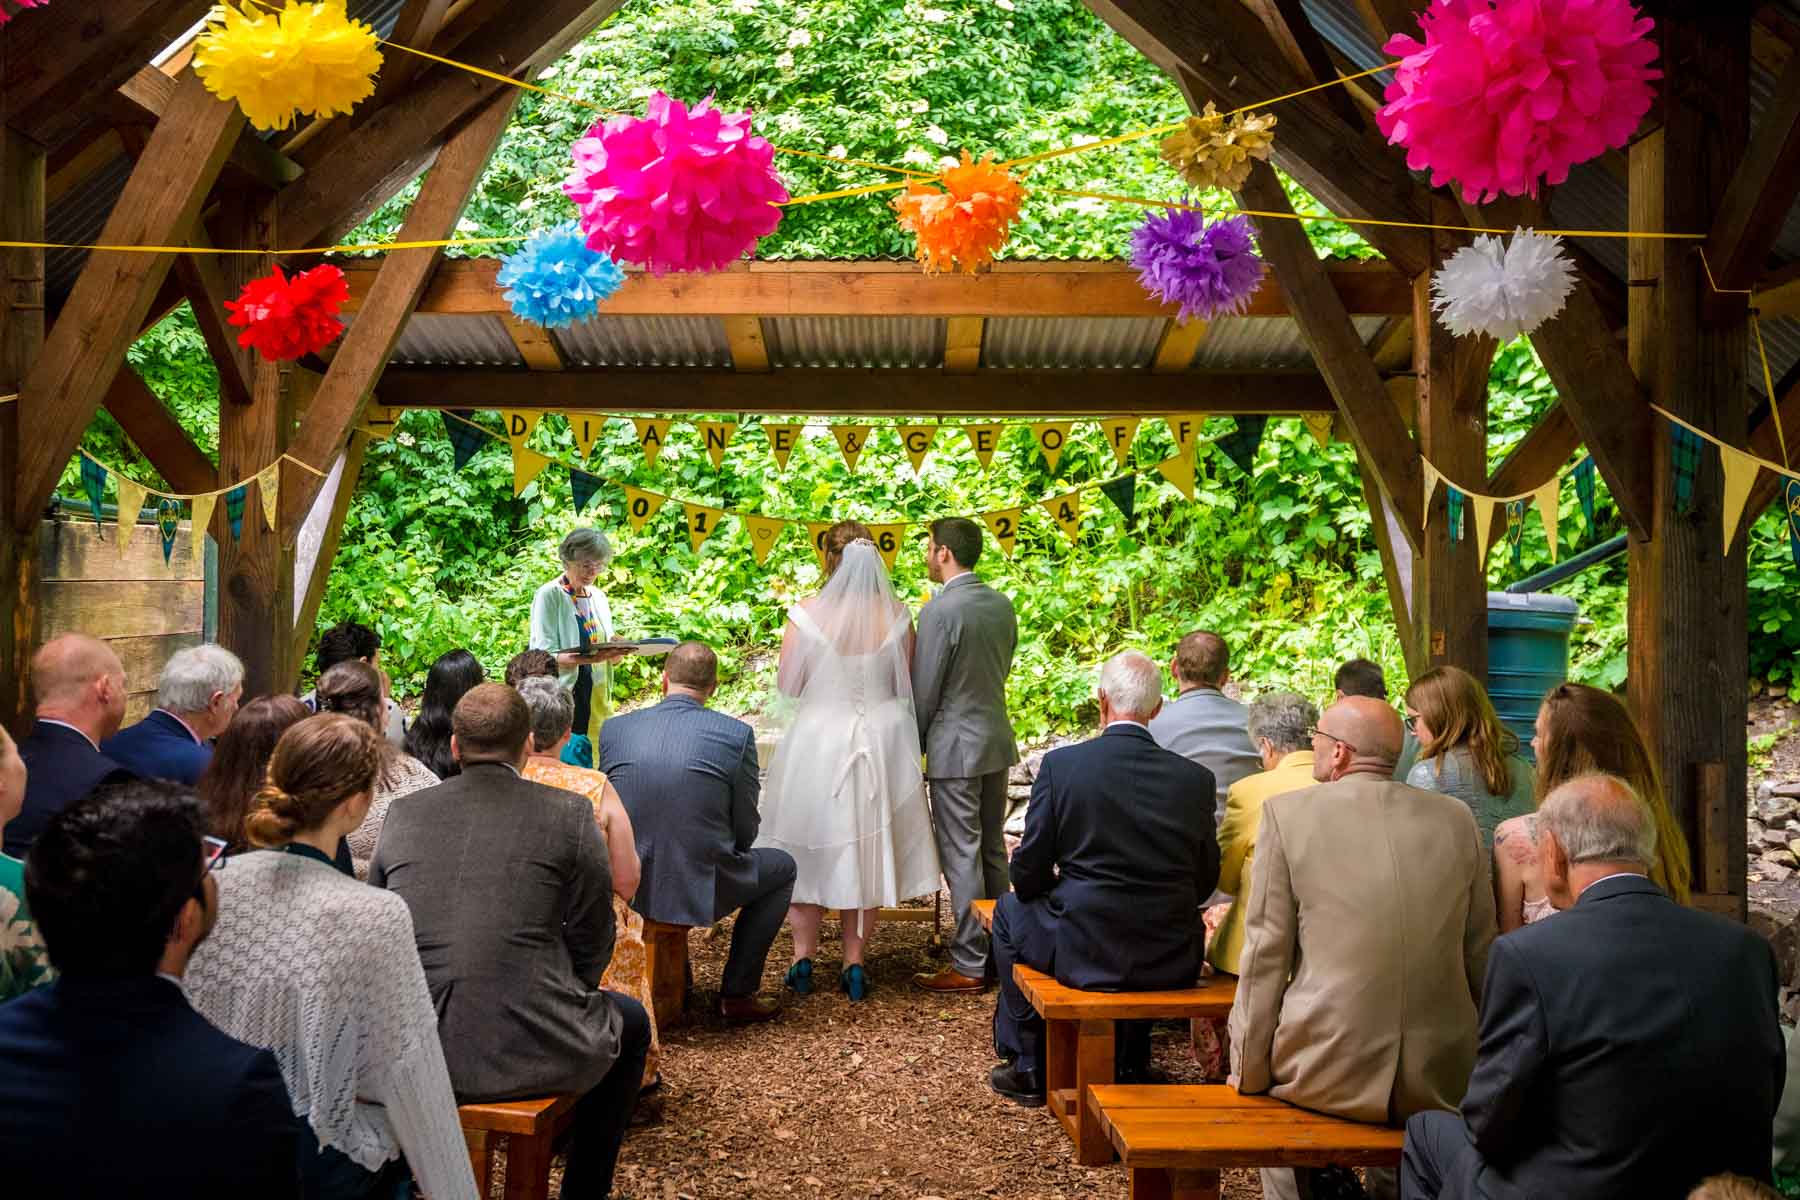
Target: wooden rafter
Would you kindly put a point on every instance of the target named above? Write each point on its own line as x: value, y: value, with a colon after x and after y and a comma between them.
x: 204, y: 283
x: 418, y: 26
x: 1385, y: 18
x: 22, y: 175
x: 962, y: 344
x: 141, y: 101
x: 1306, y: 52
x: 1538, y: 455
x: 1765, y: 443
x: 749, y: 347
x: 156, y: 433
x: 534, y: 343
x: 1762, y: 190
x: 1179, y: 343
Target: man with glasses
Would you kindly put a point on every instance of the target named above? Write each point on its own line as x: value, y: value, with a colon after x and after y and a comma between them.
x: 112, y: 1085
x: 1365, y: 940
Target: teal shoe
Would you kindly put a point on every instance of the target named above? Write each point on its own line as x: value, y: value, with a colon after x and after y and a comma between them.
x: 799, y: 977
x: 855, y: 982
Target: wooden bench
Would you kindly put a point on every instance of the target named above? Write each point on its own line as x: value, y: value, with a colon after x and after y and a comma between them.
x: 984, y: 912
x: 531, y: 1128
x: 1175, y: 1139
x: 666, y: 951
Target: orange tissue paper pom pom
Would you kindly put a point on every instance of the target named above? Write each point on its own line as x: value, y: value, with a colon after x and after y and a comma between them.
x: 962, y: 217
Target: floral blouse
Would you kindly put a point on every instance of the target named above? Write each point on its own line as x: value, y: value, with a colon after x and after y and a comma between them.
x: 24, y: 962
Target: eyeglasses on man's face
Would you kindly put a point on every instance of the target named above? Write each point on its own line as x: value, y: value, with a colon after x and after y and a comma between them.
x: 1316, y: 732
x: 212, y: 851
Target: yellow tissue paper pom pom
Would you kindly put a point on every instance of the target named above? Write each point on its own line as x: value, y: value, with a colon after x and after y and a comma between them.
x: 309, y: 58
x: 1213, y: 150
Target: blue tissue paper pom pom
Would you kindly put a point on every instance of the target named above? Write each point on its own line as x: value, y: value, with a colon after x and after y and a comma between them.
x: 555, y: 279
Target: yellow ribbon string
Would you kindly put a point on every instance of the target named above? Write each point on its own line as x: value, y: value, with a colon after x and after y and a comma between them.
x: 251, y: 478
x: 9, y: 399
x: 1762, y: 353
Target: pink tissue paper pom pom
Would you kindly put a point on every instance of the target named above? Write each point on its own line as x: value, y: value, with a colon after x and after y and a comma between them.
x: 678, y: 189
x: 1505, y: 94
x: 6, y: 15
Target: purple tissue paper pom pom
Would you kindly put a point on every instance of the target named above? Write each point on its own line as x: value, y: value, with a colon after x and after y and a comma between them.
x: 1207, y: 269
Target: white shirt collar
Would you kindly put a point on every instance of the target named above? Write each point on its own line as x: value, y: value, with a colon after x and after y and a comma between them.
x: 1124, y: 721
x: 1616, y: 875
x: 176, y: 717
x: 174, y: 979
x: 968, y: 575
x: 66, y: 725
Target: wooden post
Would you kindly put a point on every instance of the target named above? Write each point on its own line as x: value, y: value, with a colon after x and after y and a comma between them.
x: 21, y: 340
x: 1688, y: 643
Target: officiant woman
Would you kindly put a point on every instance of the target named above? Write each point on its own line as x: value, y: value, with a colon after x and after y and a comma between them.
x: 570, y: 619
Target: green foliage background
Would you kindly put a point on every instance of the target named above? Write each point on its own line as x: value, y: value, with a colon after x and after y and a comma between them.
x: 1284, y: 562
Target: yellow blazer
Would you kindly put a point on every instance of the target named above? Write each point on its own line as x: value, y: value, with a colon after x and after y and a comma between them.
x: 1237, y: 846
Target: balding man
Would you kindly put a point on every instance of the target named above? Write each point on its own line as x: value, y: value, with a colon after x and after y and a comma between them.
x: 79, y: 685
x: 1119, y: 850
x: 1366, y: 934
x: 1629, y: 1047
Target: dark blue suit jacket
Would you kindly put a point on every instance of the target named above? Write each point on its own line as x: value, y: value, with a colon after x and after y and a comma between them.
x: 159, y: 747
x: 1120, y: 845
x: 118, y: 1088
x: 62, y: 767
x: 1629, y: 1047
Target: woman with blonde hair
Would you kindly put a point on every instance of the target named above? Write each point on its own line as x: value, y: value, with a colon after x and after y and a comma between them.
x: 1464, y: 750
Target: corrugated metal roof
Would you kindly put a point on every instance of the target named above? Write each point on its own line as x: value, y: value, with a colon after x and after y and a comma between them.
x: 442, y: 340
x: 854, y: 341
x: 645, y: 342
x: 1264, y: 343
x: 1053, y: 343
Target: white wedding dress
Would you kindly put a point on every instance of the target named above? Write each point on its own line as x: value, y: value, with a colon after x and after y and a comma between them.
x: 845, y: 793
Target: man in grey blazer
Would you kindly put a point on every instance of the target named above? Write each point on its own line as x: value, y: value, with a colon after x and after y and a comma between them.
x: 511, y: 901
x: 1202, y: 723
x: 689, y: 780
x: 966, y: 639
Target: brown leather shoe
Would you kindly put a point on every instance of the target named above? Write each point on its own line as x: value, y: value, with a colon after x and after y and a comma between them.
x: 950, y: 980
x: 744, y: 1010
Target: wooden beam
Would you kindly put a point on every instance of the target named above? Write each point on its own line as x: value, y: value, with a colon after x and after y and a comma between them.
x: 466, y: 286
x: 1762, y: 189
x: 1779, y: 293
x: 1369, y: 415
x: 1392, y: 349
x: 203, y: 281
x: 749, y: 348
x: 1385, y: 18
x: 536, y: 344
x: 142, y: 100
x: 22, y: 185
x: 1306, y: 53
x: 156, y: 433
x: 306, y: 614
x: 114, y: 292
x: 962, y: 344
x: 1399, y: 567
x: 865, y: 392
x: 1538, y: 455
x: 81, y: 159
x: 1764, y: 443
x: 364, y: 352
x: 417, y: 26
x: 1180, y: 342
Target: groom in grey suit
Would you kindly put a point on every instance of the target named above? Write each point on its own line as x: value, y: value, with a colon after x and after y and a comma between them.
x: 966, y: 639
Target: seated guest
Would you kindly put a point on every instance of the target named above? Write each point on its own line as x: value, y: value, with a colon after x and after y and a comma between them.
x: 1365, y: 937
x: 552, y: 718
x: 111, y: 1084
x: 531, y: 664
x: 239, y: 763
x: 1281, y: 727
x: 1118, y: 853
x: 688, y: 777
x: 1631, y: 1047
x: 512, y: 977
x: 354, y: 689
x: 323, y: 971
x: 1464, y: 750
x: 195, y: 699
x: 448, y: 681
x: 1732, y: 1187
x: 1361, y: 677
x: 1203, y: 723
x: 23, y: 962
x: 79, y: 685
x: 350, y: 642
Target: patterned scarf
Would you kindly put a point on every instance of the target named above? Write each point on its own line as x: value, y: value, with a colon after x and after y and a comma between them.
x: 584, y: 612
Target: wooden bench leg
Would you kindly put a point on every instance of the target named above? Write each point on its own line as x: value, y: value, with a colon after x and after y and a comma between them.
x: 668, y: 955
x: 527, y: 1167
x: 1093, y: 1065
x: 481, y: 1159
x: 1059, y: 1071
x: 1162, y: 1183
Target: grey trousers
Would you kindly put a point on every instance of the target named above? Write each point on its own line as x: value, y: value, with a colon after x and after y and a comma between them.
x: 969, y: 816
x: 1279, y: 1183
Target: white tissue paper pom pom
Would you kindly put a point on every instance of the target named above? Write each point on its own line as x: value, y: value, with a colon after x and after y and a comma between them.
x: 1503, y: 289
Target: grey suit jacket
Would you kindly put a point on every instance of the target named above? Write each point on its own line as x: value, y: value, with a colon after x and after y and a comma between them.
x: 1209, y: 727
x: 689, y: 780
x: 967, y: 636
x: 511, y: 901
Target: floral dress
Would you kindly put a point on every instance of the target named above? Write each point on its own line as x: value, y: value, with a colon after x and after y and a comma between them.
x: 628, y: 972
x: 24, y: 962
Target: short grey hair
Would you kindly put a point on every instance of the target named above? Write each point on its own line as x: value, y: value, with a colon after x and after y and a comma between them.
x: 1284, y: 718
x: 585, y: 545
x: 1599, y: 818
x: 1132, y: 683
x: 192, y: 676
x: 552, y: 710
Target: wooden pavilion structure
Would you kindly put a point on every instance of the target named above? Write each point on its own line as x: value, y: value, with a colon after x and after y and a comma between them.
x: 109, y: 138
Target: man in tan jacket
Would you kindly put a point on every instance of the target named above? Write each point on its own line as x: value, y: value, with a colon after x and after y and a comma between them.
x: 1366, y: 938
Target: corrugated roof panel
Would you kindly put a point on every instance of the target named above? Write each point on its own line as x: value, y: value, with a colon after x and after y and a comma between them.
x: 1049, y: 343
x: 77, y: 219
x: 854, y: 341
x: 1265, y: 343
x: 645, y: 342
x: 444, y: 340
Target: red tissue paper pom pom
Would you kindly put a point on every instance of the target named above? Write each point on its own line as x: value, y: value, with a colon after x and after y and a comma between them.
x: 286, y: 318
x: 1505, y: 94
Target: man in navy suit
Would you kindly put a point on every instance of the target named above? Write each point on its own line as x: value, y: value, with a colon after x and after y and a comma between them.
x: 196, y: 698
x: 1119, y: 851
x: 1629, y: 1046
x: 79, y: 684
x: 111, y: 1084
x: 689, y: 781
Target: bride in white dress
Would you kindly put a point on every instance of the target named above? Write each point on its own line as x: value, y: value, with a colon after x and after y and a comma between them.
x: 845, y: 794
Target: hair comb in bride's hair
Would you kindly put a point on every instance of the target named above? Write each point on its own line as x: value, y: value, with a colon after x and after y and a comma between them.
x: 863, y: 542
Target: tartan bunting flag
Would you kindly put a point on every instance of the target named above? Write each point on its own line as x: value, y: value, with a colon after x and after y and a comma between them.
x: 1453, y: 506
x: 1790, y: 504
x: 583, y: 488
x: 1684, y: 461
x: 1584, y: 492
x: 1515, y: 530
x: 1240, y: 445
x: 93, y: 481
x: 168, y: 525
x: 1122, y: 492
x: 234, y: 509
x: 466, y: 438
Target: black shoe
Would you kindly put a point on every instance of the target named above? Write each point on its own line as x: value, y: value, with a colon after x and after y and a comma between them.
x: 1142, y: 1075
x: 1021, y: 1087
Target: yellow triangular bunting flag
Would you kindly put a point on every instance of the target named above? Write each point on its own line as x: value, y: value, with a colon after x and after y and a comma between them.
x: 984, y: 440
x: 652, y: 432
x: 1052, y: 437
x: 519, y: 425
x: 1319, y: 425
x: 917, y: 439
x: 1740, y: 477
x: 716, y: 435
x: 1180, y: 472
x: 587, y: 428
x: 1065, y: 510
x: 527, y: 466
x: 887, y: 541
x: 816, y: 531
x: 1487, y: 515
x: 1431, y: 484
x: 1004, y: 525
x: 640, y: 506
x: 1184, y: 428
x: 851, y: 439
x: 701, y: 522
x: 268, y: 485
x: 1119, y: 435
x: 131, y: 502
x: 198, y: 520
x: 782, y: 440
x: 1549, y: 508
x: 764, y: 533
